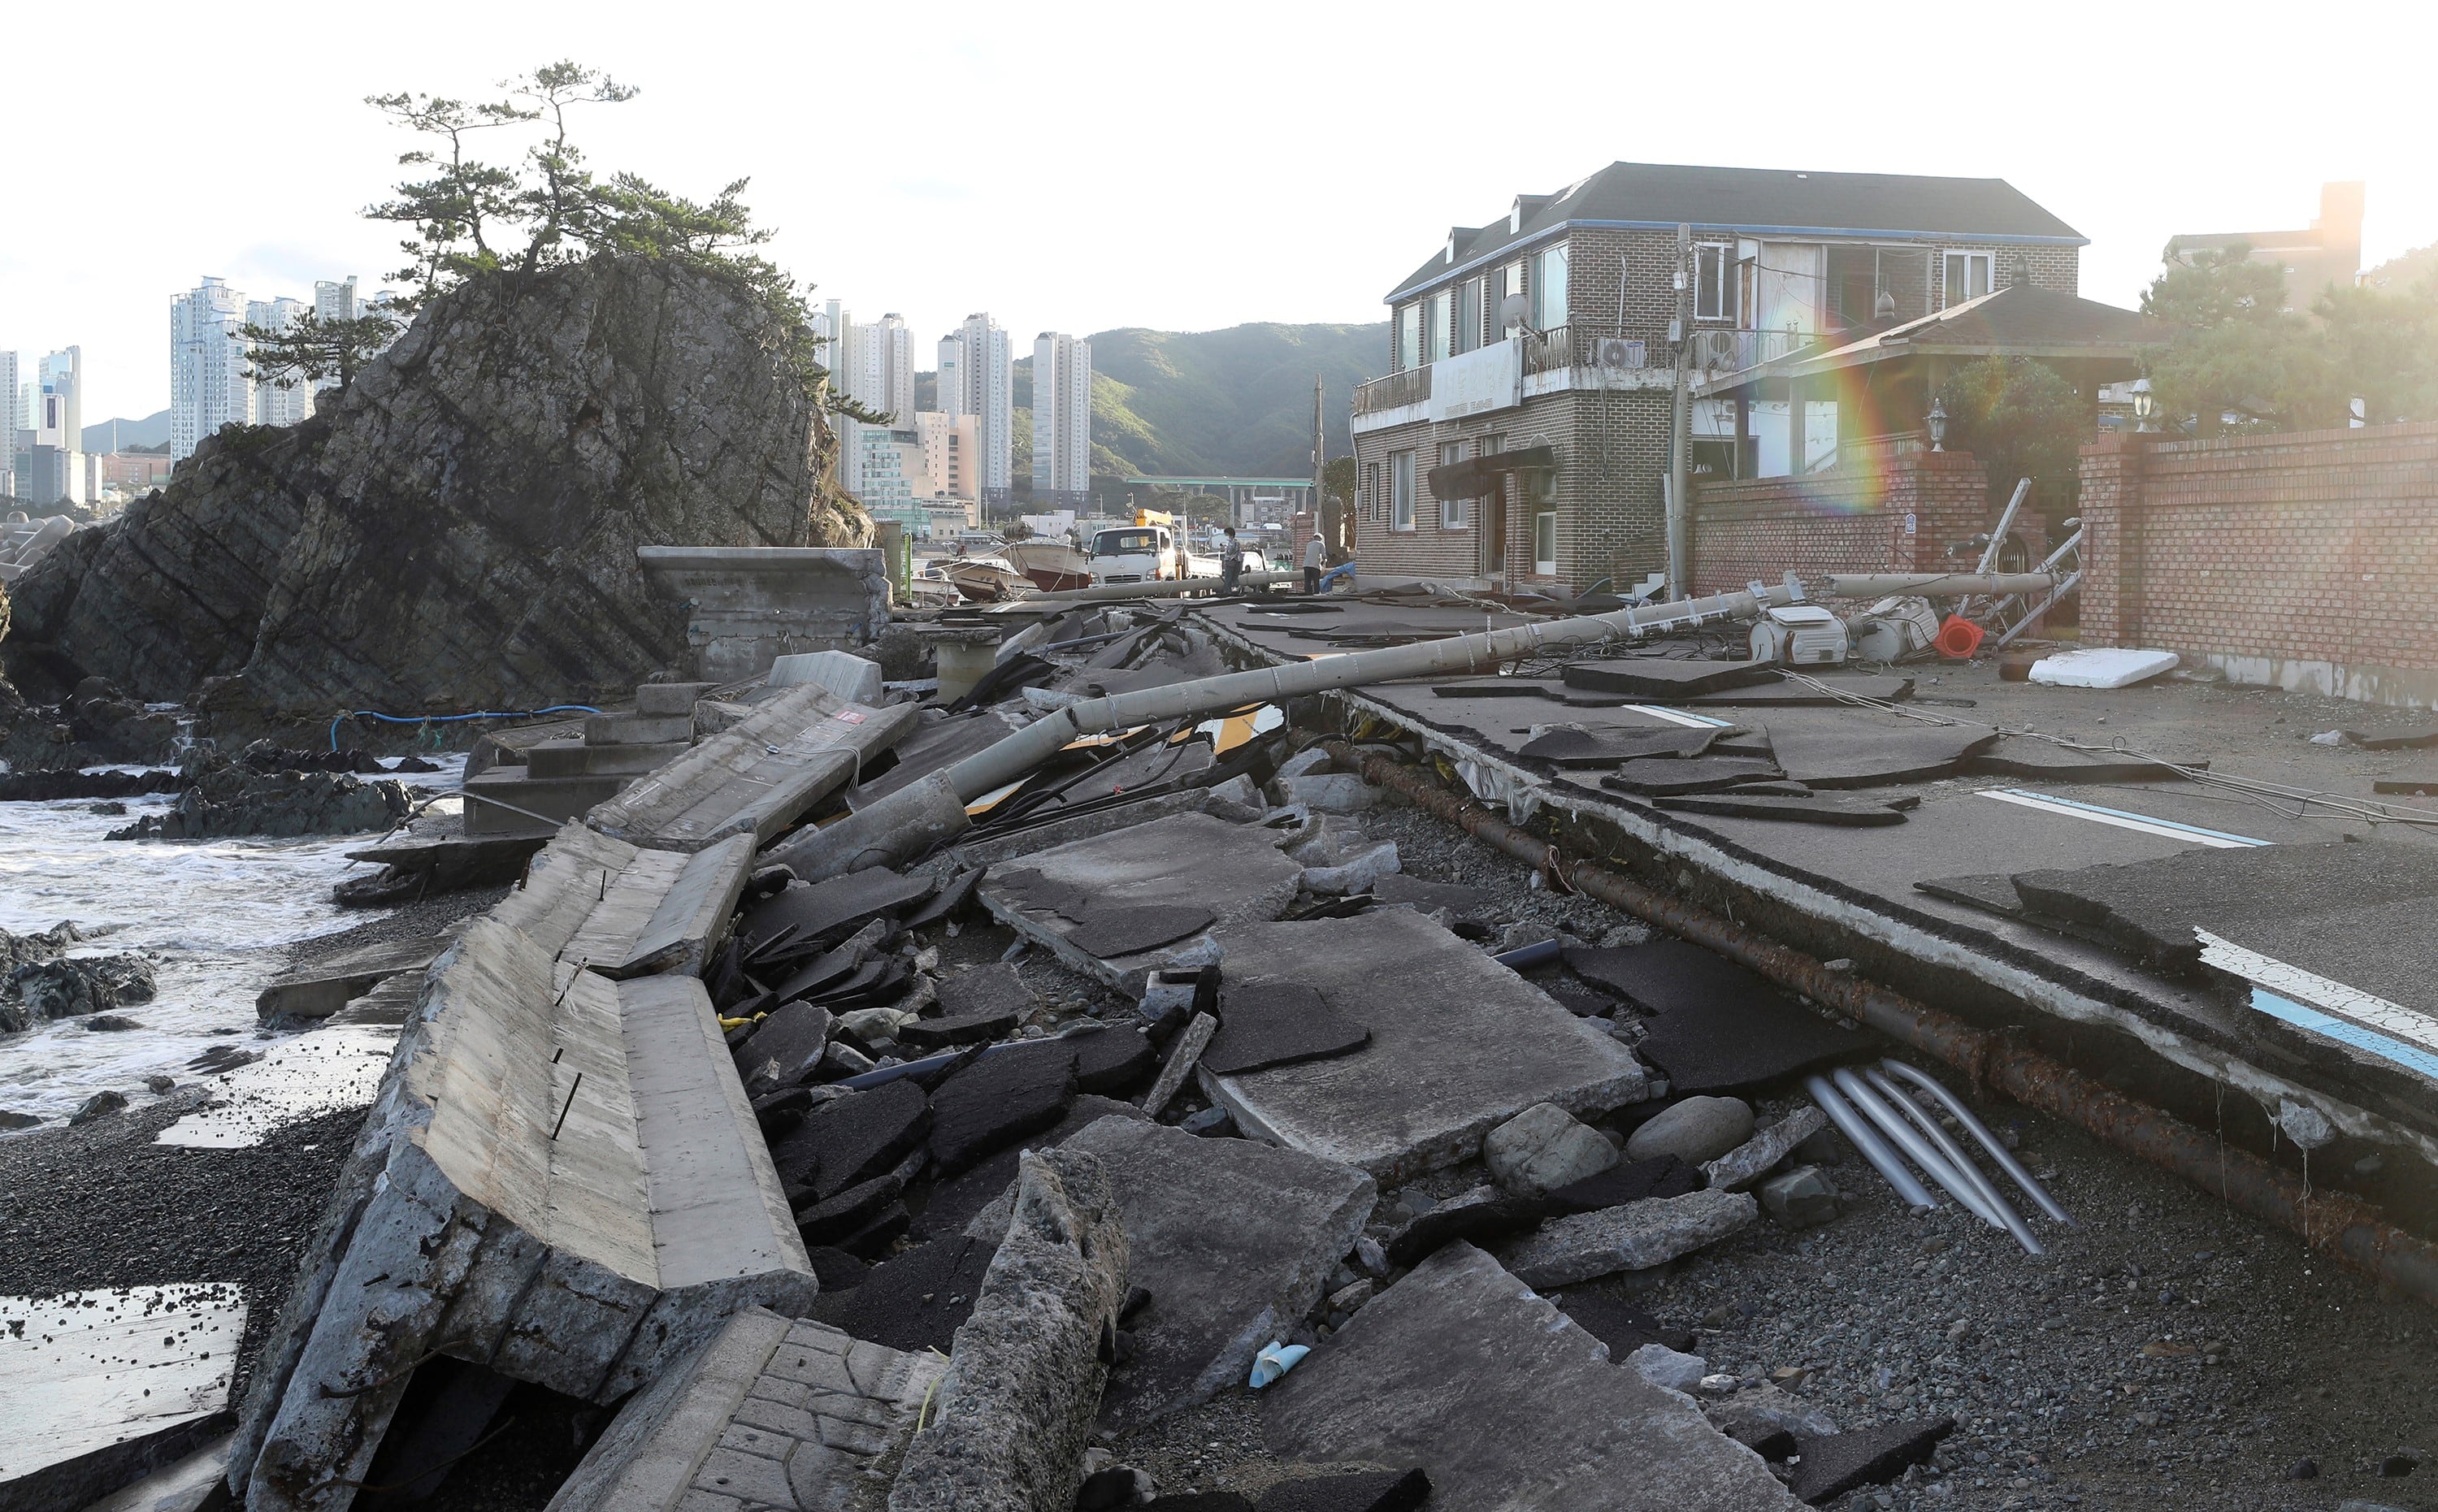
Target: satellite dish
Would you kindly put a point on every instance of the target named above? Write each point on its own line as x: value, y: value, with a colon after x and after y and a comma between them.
x: 1514, y: 310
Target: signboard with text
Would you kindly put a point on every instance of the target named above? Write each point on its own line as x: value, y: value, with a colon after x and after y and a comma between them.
x: 1479, y: 381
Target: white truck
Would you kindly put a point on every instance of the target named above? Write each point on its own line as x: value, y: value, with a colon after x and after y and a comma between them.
x: 1145, y: 552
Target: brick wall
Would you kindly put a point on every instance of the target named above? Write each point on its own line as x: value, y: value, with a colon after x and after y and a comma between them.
x: 1893, y: 517
x: 2302, y: 560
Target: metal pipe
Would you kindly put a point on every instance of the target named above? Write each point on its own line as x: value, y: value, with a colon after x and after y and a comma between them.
x: 1998, y: 1151
x: 1169, y: 588
x: 2339, y: 1224
x: 886, y: 832
x: 1956, y: 1159
x: 1947, y: 1149
x: 1917, y: 1149
x: 1939, y: 584
x: 1867, y: 1141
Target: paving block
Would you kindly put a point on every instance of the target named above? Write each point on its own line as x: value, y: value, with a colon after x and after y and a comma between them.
x: 1461, y: 1371
x: 793, y: 1413
x: 1220, y: 1290
x: 1460, y: 1045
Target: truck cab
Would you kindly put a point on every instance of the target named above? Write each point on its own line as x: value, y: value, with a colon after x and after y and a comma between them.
x: 1144, y: 551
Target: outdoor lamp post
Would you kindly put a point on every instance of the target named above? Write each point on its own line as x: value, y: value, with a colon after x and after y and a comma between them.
x: 1938, y: 425
x: 2144, y: 405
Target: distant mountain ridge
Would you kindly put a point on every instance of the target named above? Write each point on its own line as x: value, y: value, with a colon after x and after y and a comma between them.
x: 1233, y: 403
x: 152, y: 430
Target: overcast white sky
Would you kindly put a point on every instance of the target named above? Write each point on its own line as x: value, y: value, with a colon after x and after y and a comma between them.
x: 1181, y: 166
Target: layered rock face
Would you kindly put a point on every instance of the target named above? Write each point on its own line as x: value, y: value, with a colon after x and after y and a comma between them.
x: 457, y: 531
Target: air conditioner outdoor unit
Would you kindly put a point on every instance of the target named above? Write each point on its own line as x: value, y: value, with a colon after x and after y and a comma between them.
x: 1616, y: 351
x: 1802, y: 635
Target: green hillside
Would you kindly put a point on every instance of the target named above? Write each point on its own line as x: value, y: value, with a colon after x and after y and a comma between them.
x: 1230, y: 403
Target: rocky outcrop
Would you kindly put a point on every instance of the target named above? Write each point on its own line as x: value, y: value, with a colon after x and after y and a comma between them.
x: 277, y: 803
x: 39, y: 981
x: 457, y: 529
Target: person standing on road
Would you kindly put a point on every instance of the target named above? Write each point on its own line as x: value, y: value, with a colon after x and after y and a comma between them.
x: 1231, y: 561
x: 1314, y: 555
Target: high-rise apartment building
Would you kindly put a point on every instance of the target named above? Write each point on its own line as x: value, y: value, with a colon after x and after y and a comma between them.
x: 1062, y: 421
x: 884, y: 369
x: 276, y: 404
x: 986, y: 374
x: 12, y: 424
x: 61, y: 376
x: 336, y: 299
x: 209, y: 388
x: 949, y: 454
x: 54, y: 467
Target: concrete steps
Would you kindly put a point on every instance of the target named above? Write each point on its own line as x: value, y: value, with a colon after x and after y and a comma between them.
x: 505, y: 800
x: 574, y: 758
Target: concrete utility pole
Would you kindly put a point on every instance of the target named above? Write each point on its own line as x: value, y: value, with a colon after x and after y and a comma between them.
x: 1680, y: 335
x: 1319, y: 490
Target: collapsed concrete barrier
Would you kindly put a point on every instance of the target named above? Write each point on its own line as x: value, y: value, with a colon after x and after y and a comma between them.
x: 758, y: 776
x: 561, y: 1180
x: 624, y: 911
x: 1024, y: 1385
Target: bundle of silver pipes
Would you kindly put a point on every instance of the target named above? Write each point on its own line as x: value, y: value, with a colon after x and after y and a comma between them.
x: 1867, y: 1106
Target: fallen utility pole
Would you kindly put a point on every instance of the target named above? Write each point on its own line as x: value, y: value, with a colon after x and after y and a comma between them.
x: 921, y: 814
x: 1172, y: 587
x: 2344, y: 1227
x: 1939, y: 585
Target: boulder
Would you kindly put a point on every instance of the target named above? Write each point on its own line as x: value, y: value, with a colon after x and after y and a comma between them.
x: 1543, y: 1147
x: 1695, y: 1131
x: 458, y: 527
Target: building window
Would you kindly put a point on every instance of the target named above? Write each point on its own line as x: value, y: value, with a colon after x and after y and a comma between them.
x: 1409, y: 337
x: 1967, y: 276
x: 1468, y: 316
x: 1714, y: 288
x: 1401, y: 490
x: 1436, y: 324
x: 1544, y: 494
x: 1368, y: 505
x: 1549, y: 288
x: 1451, y: 510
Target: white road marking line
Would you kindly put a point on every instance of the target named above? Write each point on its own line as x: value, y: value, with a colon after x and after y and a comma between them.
x: 2123, y: 819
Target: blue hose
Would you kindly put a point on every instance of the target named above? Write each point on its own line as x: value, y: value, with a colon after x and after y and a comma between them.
x: 446, y: 719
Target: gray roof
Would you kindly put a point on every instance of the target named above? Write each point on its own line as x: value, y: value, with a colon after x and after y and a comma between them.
x: 1767, y: 202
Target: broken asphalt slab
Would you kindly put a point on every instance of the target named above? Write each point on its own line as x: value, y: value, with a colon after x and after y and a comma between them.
x: 1220, y: 1290
x: 1459, y: 1043
x: 1461, y: 1371
x: 1636, y: 1236
x: 1662, y: 776
x: 1841, y: 812
x: 1664, y: 680
x: 1717, y: 1027
x: 1874, y: 751
x: 1235, y: 871
x: 1262, y: 1024
x: 1568, y: 748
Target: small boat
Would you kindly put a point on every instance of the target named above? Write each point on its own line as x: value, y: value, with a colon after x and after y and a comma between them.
x: 985, y: 579
x: 931, y: 589
x: 1051, y: 564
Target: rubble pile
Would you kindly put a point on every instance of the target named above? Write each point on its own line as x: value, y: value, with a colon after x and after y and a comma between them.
x: 864, y: 1116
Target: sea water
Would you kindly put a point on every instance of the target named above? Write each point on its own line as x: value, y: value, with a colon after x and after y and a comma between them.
x: 214, y: 918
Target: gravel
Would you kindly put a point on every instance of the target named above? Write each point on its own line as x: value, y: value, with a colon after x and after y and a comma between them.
x: 414, y: 921
x: 102, y: 1206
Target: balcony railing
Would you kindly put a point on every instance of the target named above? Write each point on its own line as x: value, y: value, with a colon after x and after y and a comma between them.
x: 1549, y: 351
x: 1394, y: 392
x: 1717, y: 352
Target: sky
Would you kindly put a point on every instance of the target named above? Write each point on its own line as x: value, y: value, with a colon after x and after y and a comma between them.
x: 1081, y: 167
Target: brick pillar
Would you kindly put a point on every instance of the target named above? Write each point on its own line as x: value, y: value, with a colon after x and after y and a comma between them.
x: 2111, y: 537
x: 1946, y: 494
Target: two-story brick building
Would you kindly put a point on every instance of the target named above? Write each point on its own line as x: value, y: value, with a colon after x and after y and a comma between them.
x: 1536, y: 450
